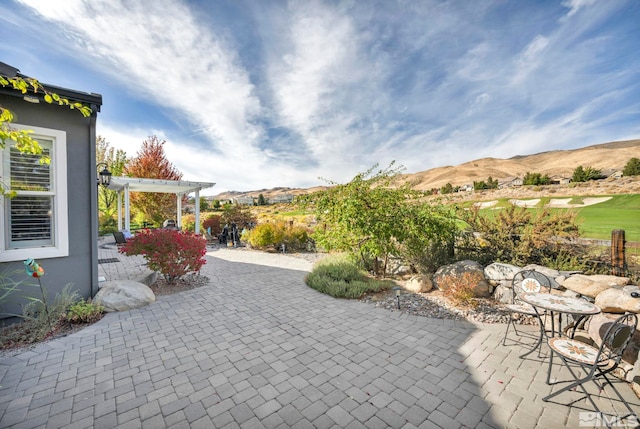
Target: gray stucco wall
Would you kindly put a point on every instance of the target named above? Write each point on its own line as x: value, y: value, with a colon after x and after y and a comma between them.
x: 80, y: 267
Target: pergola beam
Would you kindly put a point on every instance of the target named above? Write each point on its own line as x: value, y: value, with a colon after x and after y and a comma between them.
x: 125, y: 185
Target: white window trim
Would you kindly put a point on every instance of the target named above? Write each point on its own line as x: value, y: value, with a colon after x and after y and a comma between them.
x: 60, y: 247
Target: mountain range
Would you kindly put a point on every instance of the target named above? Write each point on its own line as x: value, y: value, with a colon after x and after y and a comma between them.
x: 605, y: 157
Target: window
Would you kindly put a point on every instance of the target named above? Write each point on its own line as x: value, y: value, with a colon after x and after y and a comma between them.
x: 35, y: 219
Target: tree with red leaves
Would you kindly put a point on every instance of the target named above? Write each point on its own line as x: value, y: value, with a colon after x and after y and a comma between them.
x: 151, y: 163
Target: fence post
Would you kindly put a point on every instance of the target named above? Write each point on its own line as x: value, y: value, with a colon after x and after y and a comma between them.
x: 618, y: 263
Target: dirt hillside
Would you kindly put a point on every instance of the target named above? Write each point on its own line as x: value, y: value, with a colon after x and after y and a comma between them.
x: 606, y: 156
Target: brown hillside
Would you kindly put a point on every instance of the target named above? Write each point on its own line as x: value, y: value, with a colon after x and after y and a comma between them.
x: 554, y: 163
x: 562, y: 163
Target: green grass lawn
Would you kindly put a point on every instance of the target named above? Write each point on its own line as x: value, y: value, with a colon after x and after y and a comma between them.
x: 620, y: 212
x: 598, y: 220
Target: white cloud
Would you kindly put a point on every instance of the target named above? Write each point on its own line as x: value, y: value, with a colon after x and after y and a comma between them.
x: 160, y: 49
x: 327, y: 89
x: 530, y: 59
x: 306, y: 79
x: 575, y: 5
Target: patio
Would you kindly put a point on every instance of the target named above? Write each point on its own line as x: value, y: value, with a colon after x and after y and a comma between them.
x: 257, y: 348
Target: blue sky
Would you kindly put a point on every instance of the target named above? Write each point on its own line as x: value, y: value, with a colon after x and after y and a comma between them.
x: 257, y: 94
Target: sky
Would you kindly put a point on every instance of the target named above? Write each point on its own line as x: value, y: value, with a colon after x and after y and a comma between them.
x: 256, y: 94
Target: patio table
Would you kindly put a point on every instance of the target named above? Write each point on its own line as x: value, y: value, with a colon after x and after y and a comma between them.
x: 557, y: 304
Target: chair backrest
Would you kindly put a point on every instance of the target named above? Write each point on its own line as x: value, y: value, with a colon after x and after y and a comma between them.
x: 529, y: 281
x: 617, y: 338
x: 119, y: 237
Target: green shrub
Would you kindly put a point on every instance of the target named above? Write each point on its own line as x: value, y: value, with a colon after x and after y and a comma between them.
x: 84, y: 312
x: 41, y: 318
x: 297, y: 238
x: 516, y: 235
x: 274, y: 235
x: 343, y: 279
x: 189, y: 223
x: 266, y: 235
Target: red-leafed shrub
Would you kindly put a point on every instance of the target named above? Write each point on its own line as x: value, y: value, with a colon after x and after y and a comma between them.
x: 213, y: 222
x: 172, y: 253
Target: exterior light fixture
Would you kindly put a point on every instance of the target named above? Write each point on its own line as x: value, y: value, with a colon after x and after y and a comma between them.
x: 397, y: 289
x: 104, y: 176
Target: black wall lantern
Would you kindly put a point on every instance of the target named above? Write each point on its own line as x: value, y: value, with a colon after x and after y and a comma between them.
x: 104, y: 177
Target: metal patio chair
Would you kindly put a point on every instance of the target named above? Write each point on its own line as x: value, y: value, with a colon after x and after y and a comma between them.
x: 522, y: 282
x: 596, y: 362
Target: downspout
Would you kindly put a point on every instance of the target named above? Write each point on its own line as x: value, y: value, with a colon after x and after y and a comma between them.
x: 93, y: 204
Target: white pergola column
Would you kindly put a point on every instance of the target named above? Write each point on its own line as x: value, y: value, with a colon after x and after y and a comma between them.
x: 119, y: 211
x: 127, y: 209
x: 197, y: 226
x: 179, y: 211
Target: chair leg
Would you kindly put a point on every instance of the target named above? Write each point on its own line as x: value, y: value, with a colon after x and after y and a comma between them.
x: 570, y: 386
x: 550, y: 366
x: 579, y: 382
x: 626, y: 404
x: 504, y: 340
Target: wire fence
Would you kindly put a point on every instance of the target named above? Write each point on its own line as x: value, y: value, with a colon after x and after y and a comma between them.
x: 628, y: 264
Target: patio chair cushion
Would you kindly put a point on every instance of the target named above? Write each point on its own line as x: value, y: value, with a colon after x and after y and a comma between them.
x: 523, y: 308
x: 576, y: 350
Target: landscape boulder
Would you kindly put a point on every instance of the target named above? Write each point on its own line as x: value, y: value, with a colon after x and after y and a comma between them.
x: 497, y: 273
x: 418, y: 284
x: 591, y: 286
x: 617, y: 300
x: 121, y: 295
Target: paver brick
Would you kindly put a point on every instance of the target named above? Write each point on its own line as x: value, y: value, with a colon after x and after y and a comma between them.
x: 277, y: 355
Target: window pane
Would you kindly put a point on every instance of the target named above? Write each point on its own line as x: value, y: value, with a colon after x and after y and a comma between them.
x: 27, y: 173
x: 30, y: 221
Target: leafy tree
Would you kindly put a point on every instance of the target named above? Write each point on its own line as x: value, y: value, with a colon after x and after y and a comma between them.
x: 480, y: 185
x: 447, y: 189
x: 582, y: 174
x: 204, y: 204
x: 489, y: 184
x: 262, y: 201
x: 237, y: 213
x: 151, y: 163
x: 216, y: 204
x: 22, y: 138
x: 372, y: 218
x: 536, y: 179
x: 632, y: 168
x: 108, y: 199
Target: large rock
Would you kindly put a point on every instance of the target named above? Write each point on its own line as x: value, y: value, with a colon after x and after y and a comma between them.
x: 419, y: 284
x: 457, y: 272
x: 397, y: 267
x: 611, y: 280
x: 121, y: 295
x: 590, y: 286
x: 497, y: 272
x: 617, y: 300
x: 551, y: 273
x: 503, y: 294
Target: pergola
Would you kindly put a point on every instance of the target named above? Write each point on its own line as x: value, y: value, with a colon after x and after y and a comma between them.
x: 125, y: 185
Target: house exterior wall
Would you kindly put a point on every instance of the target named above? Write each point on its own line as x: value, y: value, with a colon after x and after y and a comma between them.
x: 81, y: 266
